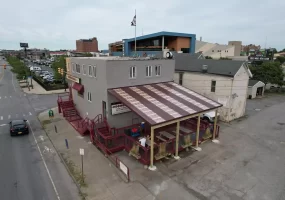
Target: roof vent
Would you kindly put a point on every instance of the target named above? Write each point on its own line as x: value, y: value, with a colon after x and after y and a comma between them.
x: 204, y: 68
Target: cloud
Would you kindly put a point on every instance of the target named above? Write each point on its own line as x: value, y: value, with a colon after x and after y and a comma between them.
x: 57, y: 24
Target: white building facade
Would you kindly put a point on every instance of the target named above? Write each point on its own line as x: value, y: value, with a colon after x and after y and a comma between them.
x: 231, y: 91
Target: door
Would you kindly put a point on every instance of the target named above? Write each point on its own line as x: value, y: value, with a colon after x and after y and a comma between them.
x: 104, y: 109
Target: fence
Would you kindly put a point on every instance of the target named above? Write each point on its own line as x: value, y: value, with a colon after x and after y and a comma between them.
x: 120, y: 165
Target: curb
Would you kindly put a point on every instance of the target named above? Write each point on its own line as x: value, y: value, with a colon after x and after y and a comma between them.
x: 61, y: 158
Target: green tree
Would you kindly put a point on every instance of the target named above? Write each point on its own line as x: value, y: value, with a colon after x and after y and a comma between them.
x: 18, y: 67
x: 59, y: 62
x: 280, y: 59
x: 282, y: 51
x: 268, y: 72
x: 208, y: 57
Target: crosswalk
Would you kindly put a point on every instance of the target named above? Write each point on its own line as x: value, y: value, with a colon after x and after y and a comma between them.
x: 15, y: 116
x: 10, y: 96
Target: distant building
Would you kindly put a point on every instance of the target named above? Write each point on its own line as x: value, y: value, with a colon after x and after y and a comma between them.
x: 217, y: 51
x: 247, y: 49
x: 87, y: 45
x: 154, y: 44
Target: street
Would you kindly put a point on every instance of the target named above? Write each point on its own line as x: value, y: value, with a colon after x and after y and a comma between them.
x: 30, y: 167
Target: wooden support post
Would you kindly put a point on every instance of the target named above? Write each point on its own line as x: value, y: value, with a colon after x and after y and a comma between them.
x: 177, y: 141
x: 151, y: 167
x: 215, y: 127
x: 197, y: 148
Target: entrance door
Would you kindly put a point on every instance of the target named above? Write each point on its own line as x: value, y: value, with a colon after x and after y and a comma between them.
x: 104, y: 109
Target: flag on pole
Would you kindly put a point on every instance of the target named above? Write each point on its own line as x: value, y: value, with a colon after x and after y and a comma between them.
x: 134, y: 22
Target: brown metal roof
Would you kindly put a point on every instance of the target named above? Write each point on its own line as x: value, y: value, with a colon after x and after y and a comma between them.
x: 162, y: 102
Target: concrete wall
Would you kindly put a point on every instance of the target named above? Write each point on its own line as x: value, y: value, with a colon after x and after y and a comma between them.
x: 201, y: 83
x: 118, y: 72
x: 120, y: 120
x: 237, y: 46
x: 239, y: 94
x: 97, y: 86
x: 225, y: 52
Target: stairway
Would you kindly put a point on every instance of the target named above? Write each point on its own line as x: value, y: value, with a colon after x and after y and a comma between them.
x: 71, y: 114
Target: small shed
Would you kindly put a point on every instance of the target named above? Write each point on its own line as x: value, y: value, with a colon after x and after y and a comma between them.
x: 255, y: 89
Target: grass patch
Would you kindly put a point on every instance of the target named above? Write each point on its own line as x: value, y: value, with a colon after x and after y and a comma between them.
x: 76, y: 173
x: 45, y: 122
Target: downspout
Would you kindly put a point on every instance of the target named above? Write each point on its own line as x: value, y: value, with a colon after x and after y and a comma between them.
x: 230, y: 102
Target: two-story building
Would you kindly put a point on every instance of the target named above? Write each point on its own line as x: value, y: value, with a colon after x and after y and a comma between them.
x: 225, y: 81
x: 130, y: 91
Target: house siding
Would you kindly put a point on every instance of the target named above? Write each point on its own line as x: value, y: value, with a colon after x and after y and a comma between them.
x: 201, y: 83
x: 230, y: 91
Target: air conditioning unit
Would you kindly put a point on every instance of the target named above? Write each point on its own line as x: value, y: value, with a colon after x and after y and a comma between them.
x: 169, y: 55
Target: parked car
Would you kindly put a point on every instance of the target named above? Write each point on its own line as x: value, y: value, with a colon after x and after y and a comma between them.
x: 35, y: 68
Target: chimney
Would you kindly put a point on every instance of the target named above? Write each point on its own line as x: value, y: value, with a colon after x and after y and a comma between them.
x: 200, y: 38
x: 204, y: 68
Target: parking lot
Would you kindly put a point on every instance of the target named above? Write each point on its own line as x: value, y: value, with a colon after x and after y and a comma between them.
x: 247, y: 164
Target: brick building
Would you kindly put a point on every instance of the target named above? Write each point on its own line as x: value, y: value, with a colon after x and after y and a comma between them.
x: 87, y: 45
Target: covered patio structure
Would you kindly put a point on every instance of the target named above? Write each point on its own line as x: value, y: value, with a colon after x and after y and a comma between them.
x: 165, y: 104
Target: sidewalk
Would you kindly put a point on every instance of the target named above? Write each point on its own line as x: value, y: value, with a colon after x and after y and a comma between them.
x: 101, y: 177
x: 38, y: 89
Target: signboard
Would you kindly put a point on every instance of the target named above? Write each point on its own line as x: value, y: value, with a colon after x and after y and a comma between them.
x: 81, y: 151
x: 124, y: 168
x: 257, y: 58
x: 119, y: 108
x: 24, y: 45
x: 73, y: 78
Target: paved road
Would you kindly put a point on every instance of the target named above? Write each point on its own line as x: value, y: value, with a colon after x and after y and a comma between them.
x: 30, y: 169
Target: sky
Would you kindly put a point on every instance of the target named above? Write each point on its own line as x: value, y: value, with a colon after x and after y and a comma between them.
x: 57, y: 24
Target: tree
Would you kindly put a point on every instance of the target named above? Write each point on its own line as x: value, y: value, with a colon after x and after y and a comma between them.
x: 88, y: 55
x: 208, y: 57
x: 280, y: 59
x: 59, y: 62
x: 281, y: 51
x: 268, y: 72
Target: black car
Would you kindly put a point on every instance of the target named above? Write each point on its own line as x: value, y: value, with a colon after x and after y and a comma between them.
x: 19, y: 127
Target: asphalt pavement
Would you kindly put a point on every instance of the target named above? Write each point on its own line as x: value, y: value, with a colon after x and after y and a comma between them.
x: 30, y: 168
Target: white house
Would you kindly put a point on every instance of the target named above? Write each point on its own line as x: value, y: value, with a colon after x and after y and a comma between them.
x: 255, y: 88
x: 225, y: 81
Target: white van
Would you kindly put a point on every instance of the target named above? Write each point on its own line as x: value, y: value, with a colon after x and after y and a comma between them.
x: 35, y: 69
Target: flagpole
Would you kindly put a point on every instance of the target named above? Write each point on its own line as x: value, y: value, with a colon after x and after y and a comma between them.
x: 136, y: 35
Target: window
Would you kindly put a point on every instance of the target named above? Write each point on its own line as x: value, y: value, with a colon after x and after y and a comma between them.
x: 68, y: 67
x: 148, y: 71
x: 73, y: 67
x: 78, y: 68
x: 90, y: 70
x: 94, y: 71
x: 89, y: 98
x: 157, y: 70
x: 84, y: 69
x: 213, y: 86
x: 180, y: 78
x: 133, y: 72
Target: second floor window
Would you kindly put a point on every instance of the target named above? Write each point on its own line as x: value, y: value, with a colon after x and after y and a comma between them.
x: 78, y: 68
x: 94, y: 71
x: 84, y: 69
x: 89, y: 98
x: 157, y: 70
x: 213, y: 86
x: 148, y: 71
x: 73, y: 67
x: 90, y: 70
x: 133, y: 72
